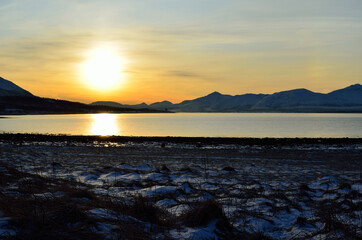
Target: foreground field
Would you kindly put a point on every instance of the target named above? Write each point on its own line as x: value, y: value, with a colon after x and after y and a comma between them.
x: 159, y: 189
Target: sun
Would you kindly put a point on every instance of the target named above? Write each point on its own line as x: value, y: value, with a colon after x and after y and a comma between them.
x: 102, y: 68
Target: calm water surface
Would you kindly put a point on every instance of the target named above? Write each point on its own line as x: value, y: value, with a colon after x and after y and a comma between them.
x: 190, y: 124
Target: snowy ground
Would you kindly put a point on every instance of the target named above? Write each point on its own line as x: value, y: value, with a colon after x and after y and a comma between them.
x: 307, y: 191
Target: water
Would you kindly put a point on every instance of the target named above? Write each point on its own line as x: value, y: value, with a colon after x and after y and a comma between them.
x: 190, y: 124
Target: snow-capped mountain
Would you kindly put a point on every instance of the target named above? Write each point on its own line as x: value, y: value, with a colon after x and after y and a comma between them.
x: 8, y: 88
x: 347, y: 99
x: 292, y: 98
x: 351, y: 95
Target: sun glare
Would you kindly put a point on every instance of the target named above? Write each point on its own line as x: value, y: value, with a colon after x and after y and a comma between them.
x: 104, y: 125
x: 102, y: 68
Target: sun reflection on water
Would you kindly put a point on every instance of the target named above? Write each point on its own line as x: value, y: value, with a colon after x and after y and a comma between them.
x: 104, y: 125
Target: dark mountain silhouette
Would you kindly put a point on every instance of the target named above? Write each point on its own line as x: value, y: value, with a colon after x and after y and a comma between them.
x: 292, y: 98
x: 217, y: 102
x: 8, y: 88
x: 348, y: 99
x: 115, y: 104
x: 161, y: 105
x: 15, y: 100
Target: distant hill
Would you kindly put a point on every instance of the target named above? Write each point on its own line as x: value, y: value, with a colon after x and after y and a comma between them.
x: 115, y: 104
x: 217, y: 102
x: 348, y: 99
x: 15, y: 100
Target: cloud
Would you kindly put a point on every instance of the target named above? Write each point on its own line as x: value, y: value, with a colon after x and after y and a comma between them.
x: 183, y: 74
x: 29, y: 52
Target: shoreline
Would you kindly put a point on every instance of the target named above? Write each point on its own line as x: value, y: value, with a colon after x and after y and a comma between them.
x: 70, y: 113
x: 20, y: 137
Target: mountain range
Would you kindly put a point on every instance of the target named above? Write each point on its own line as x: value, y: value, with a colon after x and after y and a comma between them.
x: 16, y: 100
x: 348, y: 99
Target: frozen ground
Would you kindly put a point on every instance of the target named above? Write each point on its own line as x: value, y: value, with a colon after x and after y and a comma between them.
x: 160, y: 190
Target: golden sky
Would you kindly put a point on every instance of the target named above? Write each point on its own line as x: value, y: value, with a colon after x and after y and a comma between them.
x: 177, y: 50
